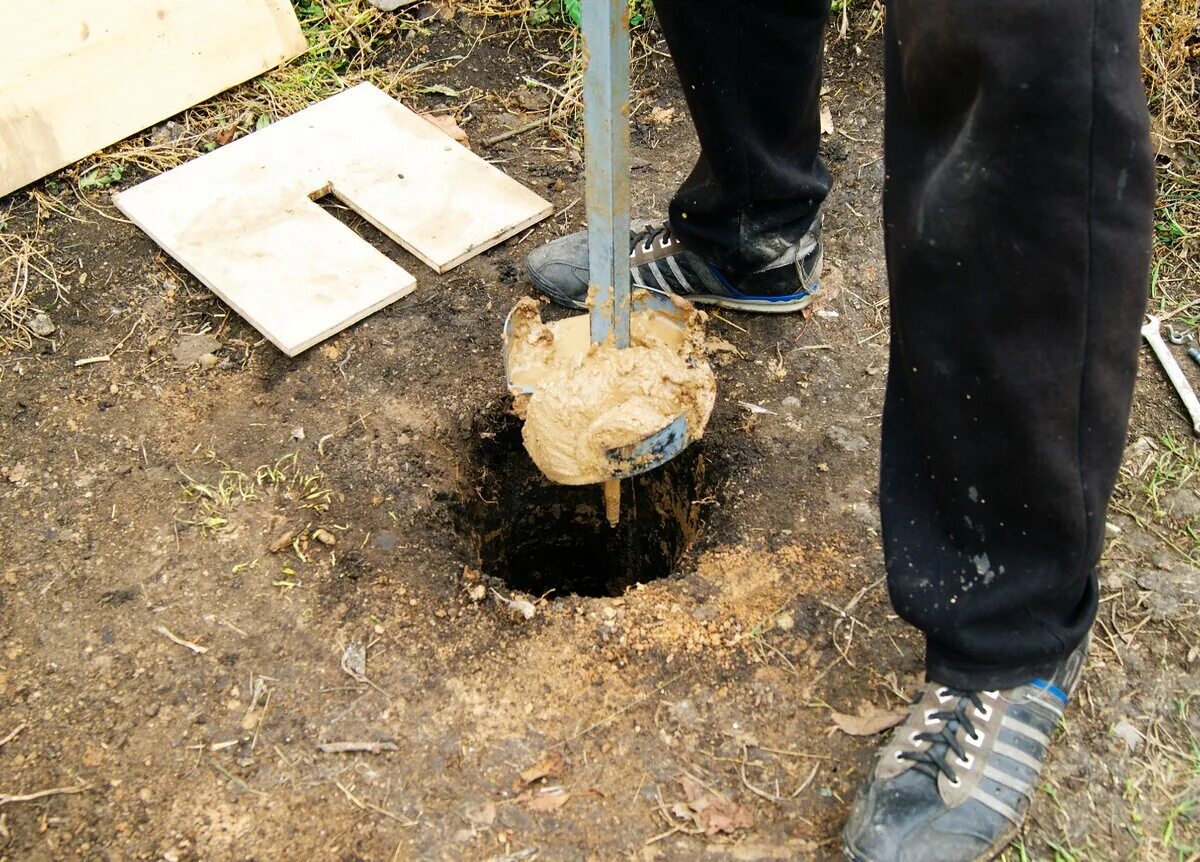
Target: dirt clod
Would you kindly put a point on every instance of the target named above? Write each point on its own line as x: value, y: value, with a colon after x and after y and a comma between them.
x: 41, y: 325
x: 190, y: 348
x: 845, y: 439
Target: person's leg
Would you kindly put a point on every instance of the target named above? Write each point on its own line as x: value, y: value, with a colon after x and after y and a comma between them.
x: 1018, y: 207
x: 751, y: 73
x: 743, y: 231
x: 1018, y: 210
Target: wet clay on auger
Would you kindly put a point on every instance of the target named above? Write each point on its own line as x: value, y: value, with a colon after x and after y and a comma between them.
x: 590, y: 398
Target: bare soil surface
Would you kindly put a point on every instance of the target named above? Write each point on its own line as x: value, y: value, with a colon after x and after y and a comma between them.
x: 209, y: 571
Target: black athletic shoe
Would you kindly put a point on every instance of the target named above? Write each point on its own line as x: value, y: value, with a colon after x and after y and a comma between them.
x: 658, y: 262
x: 955, y: 781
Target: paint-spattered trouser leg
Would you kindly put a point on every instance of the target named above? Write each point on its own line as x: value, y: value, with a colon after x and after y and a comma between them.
x: 1018, y: 207
x: 1018, y: 211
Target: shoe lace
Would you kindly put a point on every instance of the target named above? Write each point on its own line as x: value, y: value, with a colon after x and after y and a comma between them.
x: 945, y: 738
x: 647, y: 238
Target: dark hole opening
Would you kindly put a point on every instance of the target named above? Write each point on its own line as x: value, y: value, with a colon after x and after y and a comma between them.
x: 541, y: 538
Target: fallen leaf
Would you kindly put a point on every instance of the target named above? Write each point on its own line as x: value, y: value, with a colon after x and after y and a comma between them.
x: 662, y: 116
x: 871, y: 722
x: 546, y: 799
x: 550, y: 766
x: 283, y: 542
x: 441, y: 90
x: 826, y: 121
x: 710, y: 810
x: 354, y: 661
x: 446, y: 124
x: 1130, y: 735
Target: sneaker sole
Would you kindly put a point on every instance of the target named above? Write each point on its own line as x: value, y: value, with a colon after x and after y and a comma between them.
x: 757, y: 306
x: 1006, y: 839
x: 550, y: 293
x: 767, y: 306
x: 754, y: 306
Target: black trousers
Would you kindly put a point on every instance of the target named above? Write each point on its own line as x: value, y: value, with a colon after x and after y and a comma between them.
x: 1018, y: 207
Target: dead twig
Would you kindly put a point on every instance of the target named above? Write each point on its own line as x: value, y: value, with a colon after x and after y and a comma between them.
x: 240, y: 783
x: 519, y: 130
x: 371, y: 806
x: 757, y: 791
x: 169, y: 635
x: 12, y: 734
x: 261, y: 716
x: 804, y: 784
x: 346, y: 747
x: 6, y: 799
x: 788, y: 753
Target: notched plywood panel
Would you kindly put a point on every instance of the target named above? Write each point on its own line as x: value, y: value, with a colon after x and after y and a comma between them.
x: 243, y: 221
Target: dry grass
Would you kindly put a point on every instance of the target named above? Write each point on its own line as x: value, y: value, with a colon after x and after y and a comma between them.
x: 24, y: 263
x: 1171, y: 56
x: 344, y: 37
x: 560, y: 74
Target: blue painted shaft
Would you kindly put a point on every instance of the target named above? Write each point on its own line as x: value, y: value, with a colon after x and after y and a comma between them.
x: 606, y: 141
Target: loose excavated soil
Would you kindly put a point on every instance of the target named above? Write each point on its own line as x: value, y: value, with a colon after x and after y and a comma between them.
x: 589, y: 399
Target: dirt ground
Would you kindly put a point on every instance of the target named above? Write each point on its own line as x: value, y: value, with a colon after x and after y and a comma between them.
x: 208, y: 571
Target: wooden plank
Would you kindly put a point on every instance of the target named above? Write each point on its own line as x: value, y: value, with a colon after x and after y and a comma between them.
x: 294, y: 272
x: 77, y: 75
x: 242, y: 220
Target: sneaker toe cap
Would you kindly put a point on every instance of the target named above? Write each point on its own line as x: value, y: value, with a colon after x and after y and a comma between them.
x: 893, y: 822
x: 560, y: 270
x: 560, y: 281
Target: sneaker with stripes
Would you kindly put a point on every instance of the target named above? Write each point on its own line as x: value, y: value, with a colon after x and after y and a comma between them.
x: 955, y: 781
x: 659, y: 262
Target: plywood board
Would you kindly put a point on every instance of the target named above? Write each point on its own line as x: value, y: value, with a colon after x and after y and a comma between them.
x: 243, y: 221
x: 77, y: 75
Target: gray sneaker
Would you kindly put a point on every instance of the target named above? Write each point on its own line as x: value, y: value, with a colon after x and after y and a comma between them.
x: 955, y: 781
x: 659, y: 262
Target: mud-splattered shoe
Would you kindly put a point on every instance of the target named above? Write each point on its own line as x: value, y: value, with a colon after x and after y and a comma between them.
x: 658, y: 262
x: 955, y: 781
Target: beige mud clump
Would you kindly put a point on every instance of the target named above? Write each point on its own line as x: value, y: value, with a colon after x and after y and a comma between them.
x: 588, y: 399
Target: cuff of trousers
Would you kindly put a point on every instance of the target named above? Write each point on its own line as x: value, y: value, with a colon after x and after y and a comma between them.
x: 976, y: 677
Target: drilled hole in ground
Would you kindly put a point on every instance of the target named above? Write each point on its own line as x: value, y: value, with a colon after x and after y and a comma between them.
x: 541, y: 538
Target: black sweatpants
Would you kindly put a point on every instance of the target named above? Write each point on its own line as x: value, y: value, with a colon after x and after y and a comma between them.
x: 1018, y: 208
